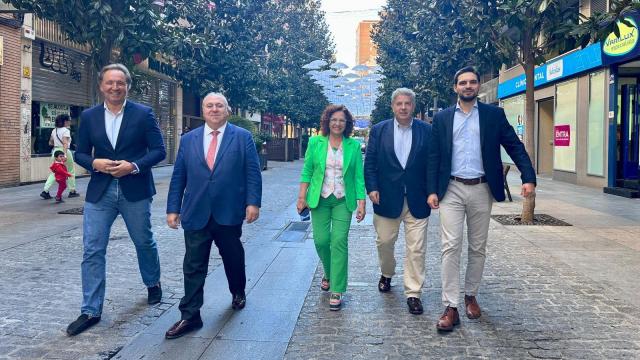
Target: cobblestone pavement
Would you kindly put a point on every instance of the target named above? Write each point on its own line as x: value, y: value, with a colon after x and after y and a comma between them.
x: 40, y: 279
x: 538, y: 301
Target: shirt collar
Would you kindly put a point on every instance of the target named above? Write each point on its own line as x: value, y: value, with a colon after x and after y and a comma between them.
x: 397, y: 124
x: 475, y: 105
x: 119, y: 112
x: 208, y: 130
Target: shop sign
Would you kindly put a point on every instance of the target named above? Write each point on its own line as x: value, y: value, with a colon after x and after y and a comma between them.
x: 56, y: 59
x: 48, y: 113
x: 162, y: 68
x: 568, y: 65
x: 561, y: 135
x: 617, y: 49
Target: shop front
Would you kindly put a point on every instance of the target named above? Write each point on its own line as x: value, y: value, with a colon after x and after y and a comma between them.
x: 63, y: 82
x: 570, y: 117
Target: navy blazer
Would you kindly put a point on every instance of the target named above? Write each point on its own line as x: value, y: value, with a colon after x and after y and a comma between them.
x: 198, y: 193
x: 383, y: 172
x: 495, y: 130
x: 139, y: 141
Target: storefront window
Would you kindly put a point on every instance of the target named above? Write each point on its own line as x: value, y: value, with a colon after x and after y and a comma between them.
x: 43, y: 121
x: 564, y: 122
x: 596, y: 125
x: 514, y: 109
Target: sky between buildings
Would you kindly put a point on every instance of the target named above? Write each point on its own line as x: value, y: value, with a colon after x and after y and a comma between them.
x: 343, y: 17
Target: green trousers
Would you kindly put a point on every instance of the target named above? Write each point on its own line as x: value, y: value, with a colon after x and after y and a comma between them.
x: 331, y: 221
x: 71, y: 182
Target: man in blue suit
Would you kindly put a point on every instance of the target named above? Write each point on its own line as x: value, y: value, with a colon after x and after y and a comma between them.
x: 395, y: 174
x: 215, y: 186
x: 118, y: 142
x: 464, y: 177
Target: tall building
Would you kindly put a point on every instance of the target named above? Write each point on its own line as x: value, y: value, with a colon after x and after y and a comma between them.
x: 366, y: 50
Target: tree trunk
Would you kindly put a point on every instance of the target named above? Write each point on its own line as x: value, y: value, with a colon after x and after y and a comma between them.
x: 529, y: 204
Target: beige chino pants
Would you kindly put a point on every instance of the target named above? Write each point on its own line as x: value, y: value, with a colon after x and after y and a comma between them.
x: 416, y: 246
x: 473, y: 203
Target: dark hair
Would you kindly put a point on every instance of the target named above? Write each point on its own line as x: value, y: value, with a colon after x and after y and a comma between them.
x: 465, y: 69
x: 326, y: 116
x: 61, y: 119
x: 57, y: 153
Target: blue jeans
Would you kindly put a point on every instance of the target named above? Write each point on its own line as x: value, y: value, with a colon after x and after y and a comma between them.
x: 96, y: 227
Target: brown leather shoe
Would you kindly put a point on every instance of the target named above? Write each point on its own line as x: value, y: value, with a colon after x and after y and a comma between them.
x: 182, y: 327
x: 448, y: 320
x: 471, y: 306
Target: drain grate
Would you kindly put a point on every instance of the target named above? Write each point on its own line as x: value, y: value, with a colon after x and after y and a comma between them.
x: 295, y: 231
x: 538, y: 219
x: 73, y: 211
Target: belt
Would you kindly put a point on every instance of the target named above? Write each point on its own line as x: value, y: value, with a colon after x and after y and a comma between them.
x: 474, y: 181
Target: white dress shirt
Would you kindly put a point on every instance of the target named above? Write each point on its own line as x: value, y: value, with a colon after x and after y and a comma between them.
x: 112, y: 123
x: 206, y: 139
x: 402, y: 140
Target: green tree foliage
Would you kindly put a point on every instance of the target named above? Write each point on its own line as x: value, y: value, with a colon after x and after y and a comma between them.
x: 250, y: 50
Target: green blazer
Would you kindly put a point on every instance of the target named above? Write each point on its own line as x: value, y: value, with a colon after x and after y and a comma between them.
x: 315, y: 160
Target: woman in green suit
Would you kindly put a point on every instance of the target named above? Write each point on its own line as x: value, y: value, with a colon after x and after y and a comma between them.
x: 332, y: 186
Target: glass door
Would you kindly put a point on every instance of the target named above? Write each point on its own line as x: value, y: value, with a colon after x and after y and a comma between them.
x: 629, y: 131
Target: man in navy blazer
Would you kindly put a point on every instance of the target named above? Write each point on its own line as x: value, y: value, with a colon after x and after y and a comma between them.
x: 215, y: 186
x: 118, y: 142
x: 464, y: 177
x: 395, y: 174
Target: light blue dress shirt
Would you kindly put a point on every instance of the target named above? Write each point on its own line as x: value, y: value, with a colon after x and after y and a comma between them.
x: 466, y: 161
x: 402, y: 140
x: 112, y: 123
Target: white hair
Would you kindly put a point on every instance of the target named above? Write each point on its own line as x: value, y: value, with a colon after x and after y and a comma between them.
x: 403, y: 91
x: 220, y: 96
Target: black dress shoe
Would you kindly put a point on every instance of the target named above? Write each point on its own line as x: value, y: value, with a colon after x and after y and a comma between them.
x: 154, y: 294
x: 415, y: 305
x: 239, y: 301
x: 384, y: 284
x: 183, y: 327
x: 82, y: 323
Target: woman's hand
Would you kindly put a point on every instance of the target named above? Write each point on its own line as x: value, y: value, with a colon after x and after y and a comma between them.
x: 301, y: 204
x: 361, y: 211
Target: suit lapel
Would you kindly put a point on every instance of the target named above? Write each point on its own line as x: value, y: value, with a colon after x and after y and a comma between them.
x: 323, y: 147
x: 198, y: 146
x: 388, y: 140
x: 449, y: 131
x: 416, y: 140
x: 347, y: 152
x: 126, y: 119
x: 102, y: 130
x: 483, y: 119
x: 227, y: 137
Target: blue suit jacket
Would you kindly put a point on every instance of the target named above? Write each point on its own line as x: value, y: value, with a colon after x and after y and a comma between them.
x: 383, y: 172
x: 198, y: 193
x: 495, y: 130
x: 139, y: 141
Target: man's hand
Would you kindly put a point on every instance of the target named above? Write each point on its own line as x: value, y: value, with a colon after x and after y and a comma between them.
x: 252, y: 213
x: 375, y: 197
x: 173, y: 220
x: 433, y: 202
x: 528, y: 189
x: 101, y: 165
x: 121, y: 168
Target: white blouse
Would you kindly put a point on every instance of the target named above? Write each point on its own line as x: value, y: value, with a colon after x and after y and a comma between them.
x: 333, y: 181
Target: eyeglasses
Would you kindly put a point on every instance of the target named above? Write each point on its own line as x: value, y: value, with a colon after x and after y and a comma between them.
x: 339, y: 121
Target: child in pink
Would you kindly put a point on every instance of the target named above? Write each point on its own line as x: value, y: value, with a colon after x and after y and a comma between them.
x: 60, y: 171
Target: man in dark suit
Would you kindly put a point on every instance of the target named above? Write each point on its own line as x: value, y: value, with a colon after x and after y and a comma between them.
x: 215, y: 186
x: 118, y: 142
x: 464, y: 177
x: 395, y: 177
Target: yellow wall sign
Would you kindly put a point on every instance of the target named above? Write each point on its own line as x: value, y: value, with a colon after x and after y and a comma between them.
x: 618, y: 46
x: 26, y: 72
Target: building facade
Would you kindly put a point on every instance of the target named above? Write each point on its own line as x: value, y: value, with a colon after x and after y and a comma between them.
x: 366, y: 50
x: 10, y: 97
x: 587, y: 105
